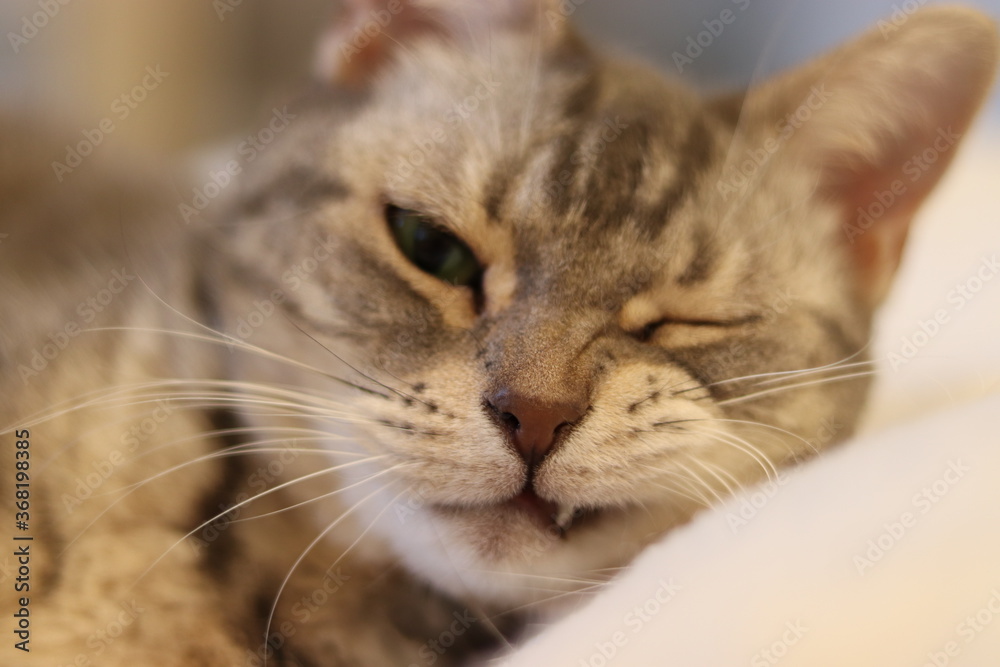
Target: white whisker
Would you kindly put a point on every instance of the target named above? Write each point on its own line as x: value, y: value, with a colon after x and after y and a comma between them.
x: 311, y: 475
x: 305, y: 552
x: 765, y: 392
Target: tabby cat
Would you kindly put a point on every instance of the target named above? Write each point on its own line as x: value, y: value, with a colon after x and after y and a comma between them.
x: 492, y: 312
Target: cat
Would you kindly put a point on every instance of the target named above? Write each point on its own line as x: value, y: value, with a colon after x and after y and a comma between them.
x: 492, y: 312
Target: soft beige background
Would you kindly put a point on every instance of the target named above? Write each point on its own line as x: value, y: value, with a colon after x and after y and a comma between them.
x: 223, y: 71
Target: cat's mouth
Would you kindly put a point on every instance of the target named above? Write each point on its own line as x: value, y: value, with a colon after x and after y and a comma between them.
x: 547, y: 513
x: 552, y: 517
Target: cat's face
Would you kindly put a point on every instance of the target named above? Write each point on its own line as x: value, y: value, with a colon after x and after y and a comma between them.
x: 636, y: 324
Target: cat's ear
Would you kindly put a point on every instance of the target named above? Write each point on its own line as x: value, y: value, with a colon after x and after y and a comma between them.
x: 367, y: 34
x: 880, y: 119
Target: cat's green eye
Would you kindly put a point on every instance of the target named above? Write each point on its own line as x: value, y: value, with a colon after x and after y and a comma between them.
x: 432, y: 249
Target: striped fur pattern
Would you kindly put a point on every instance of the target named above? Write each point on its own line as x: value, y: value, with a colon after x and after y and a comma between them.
x: 314, y: 457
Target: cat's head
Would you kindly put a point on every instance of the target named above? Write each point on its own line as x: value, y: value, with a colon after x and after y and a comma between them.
x: 576, y: 299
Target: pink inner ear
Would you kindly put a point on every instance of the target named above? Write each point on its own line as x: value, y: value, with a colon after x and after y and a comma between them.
x: 356, y: 69
x: 876, y: 221
x: 369, y: 33
x: 367, y: 36
x: 880, y: 201
x: 898, y: 107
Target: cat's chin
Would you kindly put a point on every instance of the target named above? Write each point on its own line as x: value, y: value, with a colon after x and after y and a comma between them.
x: 516, y: 552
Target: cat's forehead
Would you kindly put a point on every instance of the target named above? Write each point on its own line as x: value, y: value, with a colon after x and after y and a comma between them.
x: 553, y: 148
x: 568, y: 107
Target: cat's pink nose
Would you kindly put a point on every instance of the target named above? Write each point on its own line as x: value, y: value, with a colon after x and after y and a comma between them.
x: 534, y: 427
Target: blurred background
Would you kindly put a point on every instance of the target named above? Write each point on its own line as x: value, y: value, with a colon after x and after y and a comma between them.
x: 230, y: 61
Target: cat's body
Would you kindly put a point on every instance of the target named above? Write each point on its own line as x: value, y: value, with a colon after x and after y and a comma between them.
x: 635, y: 336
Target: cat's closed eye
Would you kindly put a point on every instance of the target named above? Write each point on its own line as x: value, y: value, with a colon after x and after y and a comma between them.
x: 649, y: 332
